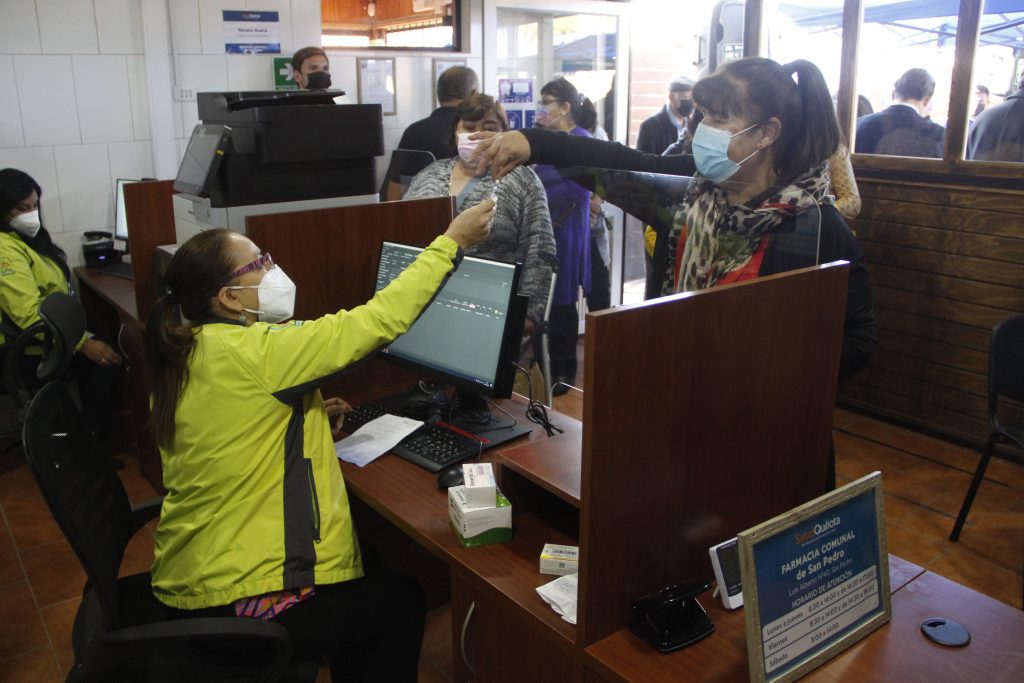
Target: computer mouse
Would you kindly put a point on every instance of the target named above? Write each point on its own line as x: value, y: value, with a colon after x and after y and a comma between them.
x: 450, y: 477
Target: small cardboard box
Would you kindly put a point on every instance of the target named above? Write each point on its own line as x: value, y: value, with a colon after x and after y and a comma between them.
x: 476, y: 525
x: 481, y: 488
x: 559, y: 560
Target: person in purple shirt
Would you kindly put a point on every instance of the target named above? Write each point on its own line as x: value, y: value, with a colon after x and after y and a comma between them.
x: 559, y: 109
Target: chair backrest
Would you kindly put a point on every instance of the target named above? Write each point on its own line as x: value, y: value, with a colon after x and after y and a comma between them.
x: 81, y: 488
x: 1006, y: 358
x: 61, y: 326
x: 65, y: 318
x: 404, y: 165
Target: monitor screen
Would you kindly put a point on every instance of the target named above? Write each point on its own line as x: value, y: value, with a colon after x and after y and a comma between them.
x: 469, y: 334
x: 202, y: 158
x: 120, y: 221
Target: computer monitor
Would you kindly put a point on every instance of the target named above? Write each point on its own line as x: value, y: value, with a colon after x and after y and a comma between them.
x: 469, y: 335
x: 203, y: 155
x: 120, y: 221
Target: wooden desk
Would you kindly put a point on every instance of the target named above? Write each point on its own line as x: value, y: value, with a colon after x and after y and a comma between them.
x: 110, y: 306
x: 896, y: 652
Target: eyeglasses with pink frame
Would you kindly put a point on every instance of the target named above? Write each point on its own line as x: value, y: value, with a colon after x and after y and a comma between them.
x: 262, y: 261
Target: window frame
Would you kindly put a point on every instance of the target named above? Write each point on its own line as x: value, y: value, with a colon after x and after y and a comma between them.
x: 952, y: 165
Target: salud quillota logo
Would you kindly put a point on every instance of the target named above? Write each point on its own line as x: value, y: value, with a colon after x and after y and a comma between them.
x: 809, y: 534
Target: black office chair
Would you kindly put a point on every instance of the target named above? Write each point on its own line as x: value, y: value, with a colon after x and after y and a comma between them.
x: 403, y: 167
x: 1005, y: 378
x: 58, y: 331
x: 121, y: 630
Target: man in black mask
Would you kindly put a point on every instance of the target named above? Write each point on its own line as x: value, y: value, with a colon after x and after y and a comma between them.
x: 668, y: 125
x: 311, y: 69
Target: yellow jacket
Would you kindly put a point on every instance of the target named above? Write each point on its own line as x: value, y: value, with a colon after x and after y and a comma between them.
x: 255, y: 498
x: 26, y: 278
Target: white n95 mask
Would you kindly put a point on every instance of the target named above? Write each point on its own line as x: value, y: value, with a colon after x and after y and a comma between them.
x: 276, y: 294
x: 26, y: 223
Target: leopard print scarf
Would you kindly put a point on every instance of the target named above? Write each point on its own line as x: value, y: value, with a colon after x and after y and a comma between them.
x: 721, y: 238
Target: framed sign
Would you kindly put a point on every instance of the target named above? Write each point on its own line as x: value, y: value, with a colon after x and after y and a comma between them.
x: 440, y: 66
x: 815, y: 580
x: 376, y: 83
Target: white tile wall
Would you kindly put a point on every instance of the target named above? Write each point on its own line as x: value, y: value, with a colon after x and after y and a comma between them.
x: 71, y: 243
x: 10, y: 114
x: 104, y: 104
x: 185, y: 35
x: 38, y: 162
x: 204, y: 72
x: 130, y: 160
x: 46, y: 91
x: 284, y: 19
x: 305, y: 25
x: 19, y: 30
x: 119, y: 26
x: 139, y: 96
x: 83, y: 178
x: 67, y: 26
x: 250, y: 72
x: 211, y: 24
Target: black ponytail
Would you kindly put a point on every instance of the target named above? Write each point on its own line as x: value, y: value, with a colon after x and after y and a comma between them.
x: 198, y: 270
x: 758, y: 89
x: 15, y: 187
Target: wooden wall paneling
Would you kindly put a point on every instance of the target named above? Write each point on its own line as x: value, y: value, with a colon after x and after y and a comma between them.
x: 911, y: 410
x: 150, y: 216
x: 718, y: 401
x: 934, y: 350
x: 948, y: 398
x: 1007, y: 299
x: 924, y: 370
x: 984, y: 270
x: 332, y: 256
x: 942, y: 197
x: 978, y: 243
x: 955, y: 334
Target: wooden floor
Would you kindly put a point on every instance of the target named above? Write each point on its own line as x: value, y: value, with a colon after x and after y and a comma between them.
x: 924, y: 480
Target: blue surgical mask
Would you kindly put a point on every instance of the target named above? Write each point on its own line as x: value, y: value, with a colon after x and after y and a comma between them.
x: 711, y: 152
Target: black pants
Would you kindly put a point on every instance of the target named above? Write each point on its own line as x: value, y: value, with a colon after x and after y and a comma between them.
x: 371, y: 629
x: 562, y: 333
x: 600, y: 296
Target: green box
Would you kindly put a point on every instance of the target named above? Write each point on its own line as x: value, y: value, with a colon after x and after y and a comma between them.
x: 476, y: 526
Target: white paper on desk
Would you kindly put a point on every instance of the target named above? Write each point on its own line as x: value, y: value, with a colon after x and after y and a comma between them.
x: 561, y: 595
x: 375, y: 438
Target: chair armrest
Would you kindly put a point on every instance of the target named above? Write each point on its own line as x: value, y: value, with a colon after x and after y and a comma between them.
x: 113, y: 648
x: 145, y: 511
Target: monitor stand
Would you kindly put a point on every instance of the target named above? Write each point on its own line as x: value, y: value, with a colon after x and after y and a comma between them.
x: 464, y: 410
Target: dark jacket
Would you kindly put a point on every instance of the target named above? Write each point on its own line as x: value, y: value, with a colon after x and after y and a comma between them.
x: 998, y: 132
x: 791, y: 248
x: 657, y: 132
x: 432, y: 134
x: 899, y: 131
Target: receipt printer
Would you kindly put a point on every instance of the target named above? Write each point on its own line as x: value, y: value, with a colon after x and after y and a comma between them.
x: 100, y: 251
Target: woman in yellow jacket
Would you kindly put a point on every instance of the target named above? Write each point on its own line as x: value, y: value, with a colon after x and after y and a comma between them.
x: 31, y: 268
x: 256, y: 520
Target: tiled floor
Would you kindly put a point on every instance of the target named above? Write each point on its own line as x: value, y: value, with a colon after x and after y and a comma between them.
x: 924, y: 480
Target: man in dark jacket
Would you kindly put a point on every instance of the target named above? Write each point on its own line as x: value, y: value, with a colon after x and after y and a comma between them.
x: 659, y: 131
x: 998, y: 132
x: 902, y: 129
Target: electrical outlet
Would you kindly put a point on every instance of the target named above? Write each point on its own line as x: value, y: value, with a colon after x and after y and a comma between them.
x: 184, y: 94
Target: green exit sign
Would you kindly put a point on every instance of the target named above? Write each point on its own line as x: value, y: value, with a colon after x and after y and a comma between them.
x: 283, y: 74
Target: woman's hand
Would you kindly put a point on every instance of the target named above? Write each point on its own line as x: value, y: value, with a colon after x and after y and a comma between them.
x: 100, y: 353
x: 336, y: 409
x: 472, y: 225
x: 501, y: 152
x: 595, y: 207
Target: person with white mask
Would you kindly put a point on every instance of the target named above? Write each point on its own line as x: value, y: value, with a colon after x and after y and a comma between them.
x: 256, y: 520
x: 521, y: 231
x: 32, y: 267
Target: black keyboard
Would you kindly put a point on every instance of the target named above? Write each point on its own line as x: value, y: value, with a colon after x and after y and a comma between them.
x: 432, y: 446
x: 117, y: 269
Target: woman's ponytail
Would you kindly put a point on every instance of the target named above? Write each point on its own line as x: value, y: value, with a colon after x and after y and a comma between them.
x: 198, y: 270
